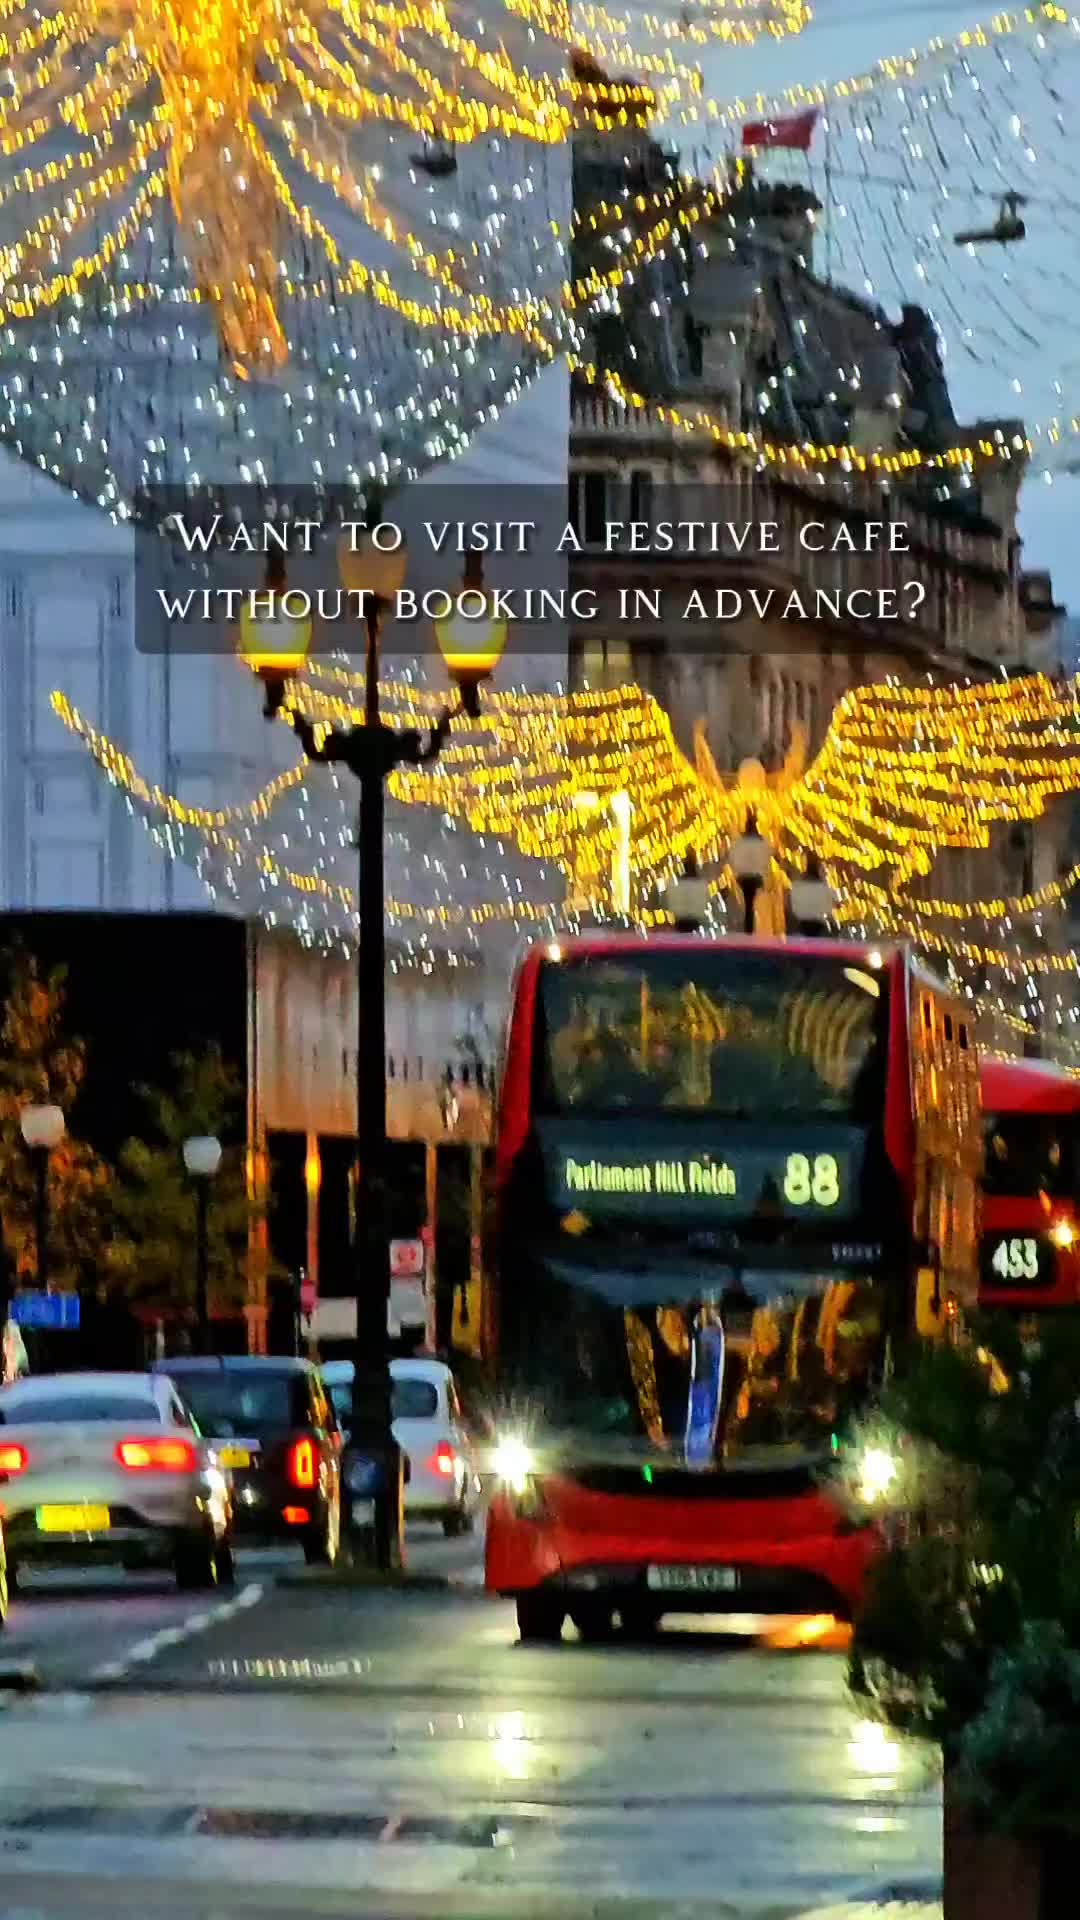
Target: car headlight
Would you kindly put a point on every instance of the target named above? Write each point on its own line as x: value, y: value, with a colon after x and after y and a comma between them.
x: 876, y: 1475
x: 513, y: 1462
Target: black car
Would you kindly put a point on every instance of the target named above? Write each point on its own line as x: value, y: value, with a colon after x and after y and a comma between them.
x: 273, y: 1426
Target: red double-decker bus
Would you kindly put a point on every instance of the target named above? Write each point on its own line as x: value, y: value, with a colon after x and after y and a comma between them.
x: 733, y: 1175
x: 1031, y: 1186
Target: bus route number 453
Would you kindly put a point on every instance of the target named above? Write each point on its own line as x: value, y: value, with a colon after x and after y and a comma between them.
x: 812, y: 1181
x: 1016, y: 1260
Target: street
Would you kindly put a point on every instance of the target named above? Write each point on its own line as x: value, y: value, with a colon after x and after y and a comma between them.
x: 301, y: 1747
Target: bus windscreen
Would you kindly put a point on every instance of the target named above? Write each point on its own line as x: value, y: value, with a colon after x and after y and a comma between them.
x: 725, y: 1032
x: 1031, y: 1153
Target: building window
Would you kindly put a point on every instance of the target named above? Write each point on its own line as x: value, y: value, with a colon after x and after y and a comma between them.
x: 774, y: 699
x: 589, y: 505
x: 788, y: 712
x: 647, y: 659
x: 641, y: 495
x: 597, y: 665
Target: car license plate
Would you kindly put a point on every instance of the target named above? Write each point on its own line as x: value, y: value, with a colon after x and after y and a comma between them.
x: 692, y: 1579
x: 80, y: 1519
x: 235, y: 1456
x: 363, y: 1513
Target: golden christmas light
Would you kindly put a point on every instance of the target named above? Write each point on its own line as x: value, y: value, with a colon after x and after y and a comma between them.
x: 903, y: 774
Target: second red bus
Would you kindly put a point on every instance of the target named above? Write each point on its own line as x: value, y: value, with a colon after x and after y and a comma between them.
x: 1031, y: 1178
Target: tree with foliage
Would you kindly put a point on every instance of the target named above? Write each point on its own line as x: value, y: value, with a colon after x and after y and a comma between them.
x: 970, y: 1633
x: 155, y: 1212
x: 41, y: 1065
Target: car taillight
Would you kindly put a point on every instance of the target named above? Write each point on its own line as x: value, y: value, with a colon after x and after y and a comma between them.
x: 13, y: 1459
x: 302, y: 1463
x: 157, y: 1456
x: 444, y: 1459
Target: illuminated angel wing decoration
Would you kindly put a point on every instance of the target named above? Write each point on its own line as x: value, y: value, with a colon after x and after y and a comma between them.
x: 906, y: 772
x: 903, y: 773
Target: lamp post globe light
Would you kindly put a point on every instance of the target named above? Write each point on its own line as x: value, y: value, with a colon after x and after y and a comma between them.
x: 750, y: 858
x: 471, y: 648
x: 365, y: 568
x: 812, y: 898
x: 472, y: 642
x: 687, y: 897
x: 275, y: 646
x: 42, y: 1129
x: 202, y: 1158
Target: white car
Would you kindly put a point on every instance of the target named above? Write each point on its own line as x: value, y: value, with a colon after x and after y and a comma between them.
x: 109, y: 1468
x: 428, y: 1426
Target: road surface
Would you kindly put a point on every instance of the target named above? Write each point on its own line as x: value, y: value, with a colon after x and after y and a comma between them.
x: 295, y: 1748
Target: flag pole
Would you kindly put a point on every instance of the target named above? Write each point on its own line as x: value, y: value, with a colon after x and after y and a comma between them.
x: 828, y: 201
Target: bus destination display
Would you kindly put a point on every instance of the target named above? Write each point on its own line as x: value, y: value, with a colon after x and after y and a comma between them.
x: 736, y: 1182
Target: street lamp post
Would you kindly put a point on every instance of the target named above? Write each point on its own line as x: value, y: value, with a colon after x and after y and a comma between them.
x: 812, y: 899
x: 471, y: 648
x: 202, y: 1158
x: 750, y: 858
x: 6, y: 1289
x: 42, y: 1130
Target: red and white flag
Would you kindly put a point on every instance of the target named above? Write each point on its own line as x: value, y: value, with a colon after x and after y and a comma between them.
x: 794, y: 130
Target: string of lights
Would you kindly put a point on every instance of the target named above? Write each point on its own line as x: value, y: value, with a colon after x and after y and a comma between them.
x: 520, y: 772
x: 913, y: 165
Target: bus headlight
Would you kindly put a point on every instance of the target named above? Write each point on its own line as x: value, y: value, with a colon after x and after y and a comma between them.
x: 513, y: 1463
x: 877, y: 1474
x: 1063, y: 1233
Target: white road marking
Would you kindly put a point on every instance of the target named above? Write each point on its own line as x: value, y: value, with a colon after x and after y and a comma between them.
x: 143, y: 1650
x: 148, y: 1649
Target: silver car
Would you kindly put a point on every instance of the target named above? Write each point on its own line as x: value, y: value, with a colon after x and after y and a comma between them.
x: 110, y: 1468
x: 430, y: 1429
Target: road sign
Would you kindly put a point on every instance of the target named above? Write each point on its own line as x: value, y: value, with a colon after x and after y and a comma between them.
x: 334, y: 1319
x: 407, y: 1261
x: 49, y: 1312
x: 408, y: 1305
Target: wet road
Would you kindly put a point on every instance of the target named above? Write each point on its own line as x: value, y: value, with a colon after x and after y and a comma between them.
x: 396, y: 1752
x: 86, y: 1628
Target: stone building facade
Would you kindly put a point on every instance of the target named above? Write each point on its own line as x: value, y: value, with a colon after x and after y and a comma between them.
x: 729, y: 330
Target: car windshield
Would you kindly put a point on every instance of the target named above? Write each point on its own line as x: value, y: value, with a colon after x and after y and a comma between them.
x: 31, y: 1409
x: 225, y: 1404
x: 412, y: 1399
x: 729, y: 1032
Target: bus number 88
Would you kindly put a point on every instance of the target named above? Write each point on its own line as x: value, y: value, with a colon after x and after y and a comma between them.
x: 816, y: 1180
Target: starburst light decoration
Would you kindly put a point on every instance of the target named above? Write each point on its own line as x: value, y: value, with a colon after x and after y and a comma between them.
x: 291, y: 241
